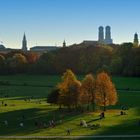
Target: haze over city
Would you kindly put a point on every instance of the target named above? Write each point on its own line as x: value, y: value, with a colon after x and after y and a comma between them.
x: 49, y: 22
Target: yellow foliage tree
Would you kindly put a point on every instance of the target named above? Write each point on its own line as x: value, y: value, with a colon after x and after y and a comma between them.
x: 105, y: 91
x: 69, y: 90
x: 19, y: 59
x: 88, y: 91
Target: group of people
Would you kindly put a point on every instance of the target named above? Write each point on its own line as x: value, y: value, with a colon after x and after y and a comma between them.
x: 40, y: 124
x: 6, y: 123
x: 122, y: 113
x: 124, y: 108
x: 52, y: 123
x: 3, y: 103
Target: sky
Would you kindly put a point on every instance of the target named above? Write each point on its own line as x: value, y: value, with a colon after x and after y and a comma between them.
x: 49, y: 22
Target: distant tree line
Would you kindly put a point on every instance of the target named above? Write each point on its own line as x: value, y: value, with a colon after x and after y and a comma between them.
x: 16, y: 62
x: 89, y: 93
x: 123, y: 60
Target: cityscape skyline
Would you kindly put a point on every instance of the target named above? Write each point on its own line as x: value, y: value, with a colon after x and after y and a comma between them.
x: 50, y: 22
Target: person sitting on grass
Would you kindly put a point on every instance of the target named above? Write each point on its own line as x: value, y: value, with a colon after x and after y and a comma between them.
x: 44, y: 125
x: 52, y: 123
x: 6, y: 122
x: 2, y: 103
x: 83, y: 123
x: 21, y: 124
x: 102, y: 115
x: 122, y: 113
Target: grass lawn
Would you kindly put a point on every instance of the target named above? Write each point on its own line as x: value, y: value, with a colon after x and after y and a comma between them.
x: 23, y: 86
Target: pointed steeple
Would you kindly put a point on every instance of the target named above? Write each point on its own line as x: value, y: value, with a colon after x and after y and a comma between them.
x: 24, y: 43
x: 24, y: 37
x: 64, y: 43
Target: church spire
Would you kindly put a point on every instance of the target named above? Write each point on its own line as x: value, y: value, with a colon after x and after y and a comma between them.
x: 24, y: 37
x: 24, y: 43
x: 64, y: 43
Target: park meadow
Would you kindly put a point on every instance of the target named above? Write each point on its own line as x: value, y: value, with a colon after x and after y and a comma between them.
x: 24, y: 100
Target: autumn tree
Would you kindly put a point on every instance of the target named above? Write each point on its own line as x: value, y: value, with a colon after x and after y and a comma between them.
x: 17, y: 63
x: 69, y: 90
x: 88, y: 91
x: 53, y: 96
x: 19, y: 59
x: 32, y: 57
x: 2, y: 59
x: 105, y: 91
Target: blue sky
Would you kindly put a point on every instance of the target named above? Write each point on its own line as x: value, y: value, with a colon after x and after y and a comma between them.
x: 49, y: 22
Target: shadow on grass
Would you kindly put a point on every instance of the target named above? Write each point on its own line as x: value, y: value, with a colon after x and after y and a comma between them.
x: 14, y: 119
x: 31, y: 116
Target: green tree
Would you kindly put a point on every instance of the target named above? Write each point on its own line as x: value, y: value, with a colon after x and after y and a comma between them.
x: 116, y: 65
x: 53, y: 96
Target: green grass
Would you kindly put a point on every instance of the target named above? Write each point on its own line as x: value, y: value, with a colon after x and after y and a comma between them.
x: 40, y: 86
x: 133, y: 83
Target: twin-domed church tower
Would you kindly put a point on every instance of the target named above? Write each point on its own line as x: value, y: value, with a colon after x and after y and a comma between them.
x: 107, y: 39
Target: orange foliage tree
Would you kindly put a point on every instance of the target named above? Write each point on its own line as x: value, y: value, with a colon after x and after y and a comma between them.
x: 32, y: 57
x: 69, y: 90
x: 88, y: 91
x: 105, y: 91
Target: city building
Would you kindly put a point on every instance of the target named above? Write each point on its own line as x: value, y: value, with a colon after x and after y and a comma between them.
x: 101, y: 39
x: 90, y: 42
x: 43, y: 48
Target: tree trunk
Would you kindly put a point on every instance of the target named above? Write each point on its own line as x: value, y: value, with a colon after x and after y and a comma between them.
x: 104, y: 108
x: 93, y: 106
x: 104, y: 102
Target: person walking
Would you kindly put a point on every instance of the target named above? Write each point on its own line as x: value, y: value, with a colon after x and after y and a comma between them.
x: 68, y: 132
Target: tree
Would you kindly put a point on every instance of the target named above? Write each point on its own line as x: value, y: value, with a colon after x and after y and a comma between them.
x: 2, y: 58
x: 2, y: 63
x: 17, y: 63
x: 32, y: 57
x: 88, y: 91
x: 19, y: 59
x: 116, y: 65
x: 53, y: 96
x: 69, y: 90
x: 105, y: 91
